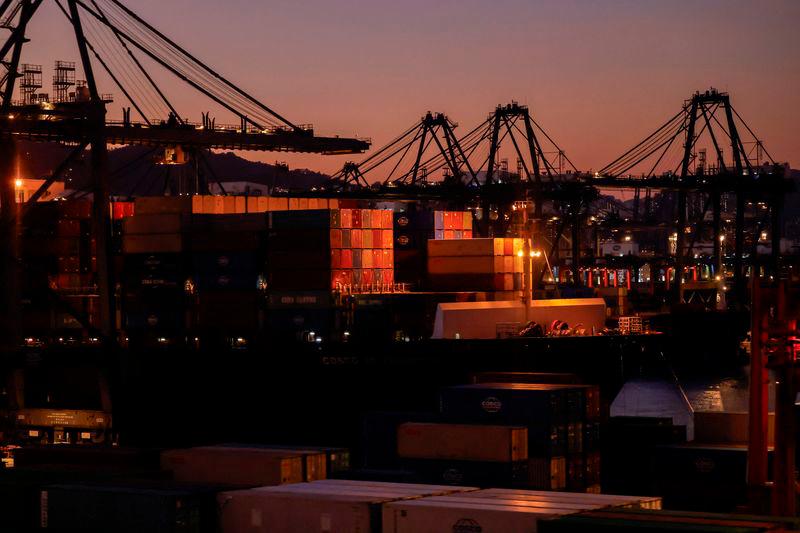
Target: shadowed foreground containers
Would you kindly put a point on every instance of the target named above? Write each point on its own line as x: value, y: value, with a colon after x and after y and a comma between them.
x: 127, y: 508
x: 323, y: 506
x: 495, y: 510
x: 613, y: 520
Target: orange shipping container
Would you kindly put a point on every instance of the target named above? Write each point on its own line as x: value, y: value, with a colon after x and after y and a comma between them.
x: 449, y: 235
x: 466, y: 220
x: 336, y: 238
x: 366, y: 259
x: 387, y: 219
x: 336, y: 259
x: 462, y: 442
x: 346, y: 218
x: 387, y: 238
x: 366, y: 238
x: 233, y: 466
x: 240, y: 204
x: 278, y: 204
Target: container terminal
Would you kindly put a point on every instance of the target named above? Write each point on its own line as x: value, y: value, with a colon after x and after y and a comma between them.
x: 458, y: 331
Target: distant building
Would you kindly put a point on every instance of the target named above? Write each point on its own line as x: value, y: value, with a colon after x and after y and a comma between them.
x: 25, y: 188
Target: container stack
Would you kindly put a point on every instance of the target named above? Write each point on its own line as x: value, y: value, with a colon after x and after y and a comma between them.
x: 227, y: 266
x: 155, y: 265
x: 412, y: 230
x: 338, y: 249
x: 184, y: 270
x: 555, y: 416
x: 542, y: 436
x: 60, y: 254
x: 476, y: 265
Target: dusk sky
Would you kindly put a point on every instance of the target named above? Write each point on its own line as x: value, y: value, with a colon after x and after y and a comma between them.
x: 598, y: 75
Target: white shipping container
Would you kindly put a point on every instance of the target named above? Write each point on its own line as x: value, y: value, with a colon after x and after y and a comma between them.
x: 322, y: 506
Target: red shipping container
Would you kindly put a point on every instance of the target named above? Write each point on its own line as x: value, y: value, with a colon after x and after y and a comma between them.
x: 388, y: 258
x: 355, y: 239
x: 377, y: 258
x: 336, y: 238
x: 346, y: 238
x: 387, y: 221
x: 449, y: 235
x: 347, y: 258
x: 508, y: 246
x: 498, y: 282
x: 367, y: 277
x: 388, y: 276
x: 357, y: 218
x: 467, y: 233
x: 357, y: 276
x: 366, y: 238
x: 117, y: 210
x: 346, y: 218
x: 377, y: 238
x: 341, y: 277
x: 336, y: 258
x: 366, y: 218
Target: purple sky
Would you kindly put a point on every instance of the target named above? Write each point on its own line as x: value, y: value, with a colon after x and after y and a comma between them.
x: 598, y: 75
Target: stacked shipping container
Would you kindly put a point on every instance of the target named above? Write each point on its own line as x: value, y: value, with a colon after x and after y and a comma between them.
x: 414, y: 227
x: 184, y: 270
x: 476, y: 264
x: 60, y: 253
x: 337, y: 249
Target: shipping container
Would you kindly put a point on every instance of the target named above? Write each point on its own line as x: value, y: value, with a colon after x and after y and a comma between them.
x: 462, y: 442
x: 541, y: 408
x: 218, y: 464
x: 322, y: 506
x: 129, y: 507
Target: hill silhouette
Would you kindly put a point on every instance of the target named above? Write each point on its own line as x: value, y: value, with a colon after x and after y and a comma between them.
x: 135, y: 171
